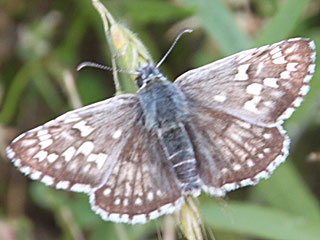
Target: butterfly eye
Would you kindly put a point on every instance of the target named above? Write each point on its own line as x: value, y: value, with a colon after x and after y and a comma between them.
x: 139, y: 79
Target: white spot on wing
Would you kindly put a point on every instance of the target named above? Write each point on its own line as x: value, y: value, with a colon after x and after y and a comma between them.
x: 17, y: 163
x: 275, y: 50
x: 294, y: 39
x: 141, y: 218
x: 312, y: 45
x: 307, y: 78
x: 114, y: 217
x: 101, y: 160
x: 71, y: 118
x: 250, y: 163
x: 125, y: 202
x: 138, y: 202
x: 117, y: 134
x: 224, y: 170
x: 42, y: 132
x: 230, y: 186
x: 245, y: 125
x: 92, y: 157
x: 35, y: 175
x: 84, y: 129
x: 267, y: 135
x: 25, y: 170
x: 42, y: 155
x: 297, y: 102
x: 62, y: 185
x: 107, y: 192
x: 313, y: 56
x: 28, y: 142
x: 85, y: 148
x: 52, y: 157
x: 10, y: 152
x: 280, y: 60
x: 271, y: 82
x: 219, y: 98
x: 292, y: 66
x: 267, y: 150
x: 312, y: 68
x: 47, y: 180
x: 159, y: 193
x: 19, y: 137
x: 304, y: 89
x: 287, y: 113
x: 46, y: 143
x: 117, y: 201
x: 259, y: 68
x: 242, y: 72
x: 236, y: 167
x: 44, y: 137
x: 285, y: 75
x: 291, y: 49
x: 150, y: 196
x: 68, y: 154
x: 277, y: 55
x: 254, y: 89
x: 78, y: 187
x: 251, y: 105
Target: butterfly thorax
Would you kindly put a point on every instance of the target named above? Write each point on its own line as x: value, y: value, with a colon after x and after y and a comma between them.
x: 163, y: 104
x: 165, y: 111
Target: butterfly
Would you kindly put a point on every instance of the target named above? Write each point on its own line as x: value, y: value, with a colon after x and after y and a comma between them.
x: 214, y: 129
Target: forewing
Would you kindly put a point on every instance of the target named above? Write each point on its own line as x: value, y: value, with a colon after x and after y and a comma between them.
x: 141, y: 186
x: 78, y: 150
x: 262, y: 85
x: 233, y: 153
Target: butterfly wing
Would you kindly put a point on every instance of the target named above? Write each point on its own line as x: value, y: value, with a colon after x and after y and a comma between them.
x: 77, y: 150
x: 142, y: 185
x: 262, y: 85
x: 233, y: 153
x: 102, y: 149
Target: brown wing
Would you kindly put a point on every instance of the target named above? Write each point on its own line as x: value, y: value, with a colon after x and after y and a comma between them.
x: 232, y: 153
x: 141, y: 186
x: 262, y: 85
x: 77, y: 150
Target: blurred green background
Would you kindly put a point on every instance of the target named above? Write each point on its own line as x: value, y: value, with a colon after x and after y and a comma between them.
x: 41, y: 43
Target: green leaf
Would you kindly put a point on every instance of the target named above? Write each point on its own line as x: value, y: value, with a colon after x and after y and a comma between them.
x: 15, y: 91
x: 91, y: 89
x: 260, y: 222
x: 148, y: 11
x: 286, y: 190
x: 47, y: 90
x: 218, y: 21
x: 283, y: 23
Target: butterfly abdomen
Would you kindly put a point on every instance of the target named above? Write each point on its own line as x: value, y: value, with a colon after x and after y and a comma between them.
x: 164, y: 110
x: 180, y: 154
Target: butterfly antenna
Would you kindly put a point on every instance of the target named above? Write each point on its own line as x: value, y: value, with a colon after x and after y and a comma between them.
x: 185, y: 30
x: 100, y: 66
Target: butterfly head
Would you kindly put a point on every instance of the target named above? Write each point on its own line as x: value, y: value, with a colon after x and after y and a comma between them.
x: 147, y: 73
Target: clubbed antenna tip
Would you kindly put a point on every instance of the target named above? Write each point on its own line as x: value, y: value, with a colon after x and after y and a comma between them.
x: 185, y: 30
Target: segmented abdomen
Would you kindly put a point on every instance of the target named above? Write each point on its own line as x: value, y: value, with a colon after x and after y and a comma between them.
x: 177, y: 145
